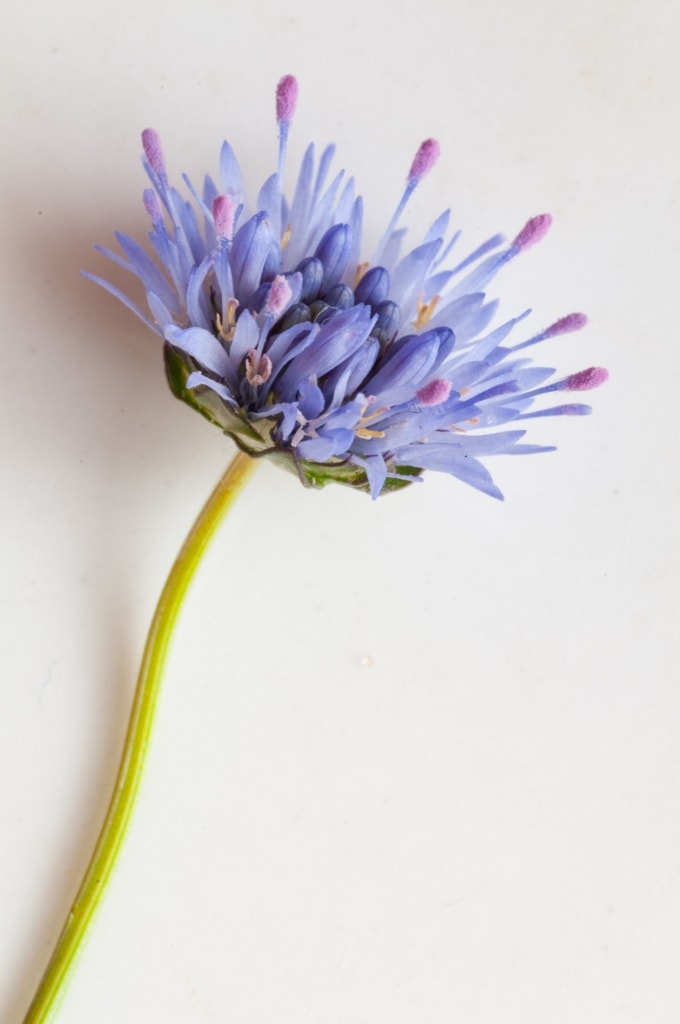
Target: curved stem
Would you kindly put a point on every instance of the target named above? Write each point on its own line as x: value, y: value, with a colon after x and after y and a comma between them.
x: 132, y: 763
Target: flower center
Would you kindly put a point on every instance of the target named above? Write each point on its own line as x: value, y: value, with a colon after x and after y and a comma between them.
x: 319, y: 302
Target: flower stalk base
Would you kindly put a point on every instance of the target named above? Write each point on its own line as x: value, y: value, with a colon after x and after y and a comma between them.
x: 114, y: 829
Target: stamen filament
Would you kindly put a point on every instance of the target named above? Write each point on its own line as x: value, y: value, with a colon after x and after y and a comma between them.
x: 425, y: 311
x: 286, y: 102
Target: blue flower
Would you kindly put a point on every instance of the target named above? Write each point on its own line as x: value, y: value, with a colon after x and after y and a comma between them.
x: 366, y: 373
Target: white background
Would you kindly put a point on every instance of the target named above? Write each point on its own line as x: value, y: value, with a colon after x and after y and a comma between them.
x: 415, y: 761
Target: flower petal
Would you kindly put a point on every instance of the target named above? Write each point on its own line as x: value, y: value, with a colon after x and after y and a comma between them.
x: 201, y: 345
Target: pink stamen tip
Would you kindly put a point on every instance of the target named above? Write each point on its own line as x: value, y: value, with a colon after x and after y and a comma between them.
x: 153, y: 150
x: 586, y: 380
x: 572, y: 322
x: 533, y: 231
x: 152, y: 205
x: 286, y: 98
x: 223, y: 210
x: 424, y: 160
x: 278, y: 297
x: 434, y: 393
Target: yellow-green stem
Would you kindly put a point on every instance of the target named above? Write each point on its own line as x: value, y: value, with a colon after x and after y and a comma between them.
x: 132, y: 762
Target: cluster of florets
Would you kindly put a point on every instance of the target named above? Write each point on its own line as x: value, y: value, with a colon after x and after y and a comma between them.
x: 362, y: 372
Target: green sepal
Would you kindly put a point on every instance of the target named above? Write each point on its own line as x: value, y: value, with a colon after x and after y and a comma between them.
x: 178, y: 368
x: 319, y: 474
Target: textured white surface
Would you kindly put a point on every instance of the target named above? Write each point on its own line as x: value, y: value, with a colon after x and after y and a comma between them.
x: 416, y: 761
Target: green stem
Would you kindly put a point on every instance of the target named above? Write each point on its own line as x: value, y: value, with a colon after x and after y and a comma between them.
x: 136, y: 743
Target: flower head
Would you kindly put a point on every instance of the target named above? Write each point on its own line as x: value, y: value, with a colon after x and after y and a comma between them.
x: 362, y: 372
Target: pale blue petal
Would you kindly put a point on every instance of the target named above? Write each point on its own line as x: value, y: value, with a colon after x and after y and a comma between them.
x: 200, y: 345
x: 118, y: 294
x: 196, y: 379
